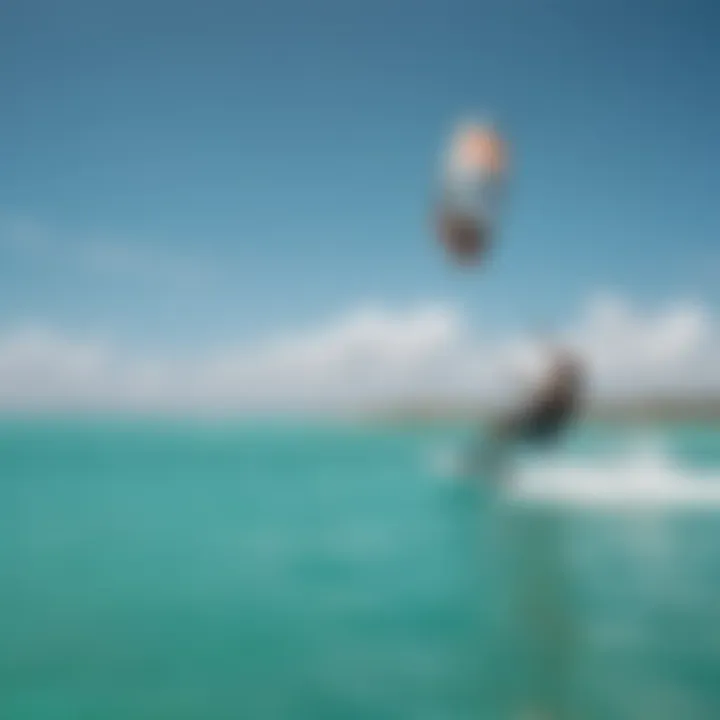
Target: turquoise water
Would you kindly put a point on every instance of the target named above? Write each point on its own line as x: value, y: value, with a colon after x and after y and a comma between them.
x: 181, y: 570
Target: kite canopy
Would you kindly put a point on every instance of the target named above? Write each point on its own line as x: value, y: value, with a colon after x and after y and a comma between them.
x: 474, y: 169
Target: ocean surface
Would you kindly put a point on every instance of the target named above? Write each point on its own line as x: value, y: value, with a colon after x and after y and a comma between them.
x: 208, y: 571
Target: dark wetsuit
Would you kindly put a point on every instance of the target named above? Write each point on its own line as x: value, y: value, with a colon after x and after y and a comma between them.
x: 550, y: 411
x: 540, y: 421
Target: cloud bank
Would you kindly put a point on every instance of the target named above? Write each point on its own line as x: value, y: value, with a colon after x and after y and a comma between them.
x: 372, y: 357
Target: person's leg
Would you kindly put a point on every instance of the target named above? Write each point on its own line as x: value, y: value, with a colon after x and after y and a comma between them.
x: 543, y: 422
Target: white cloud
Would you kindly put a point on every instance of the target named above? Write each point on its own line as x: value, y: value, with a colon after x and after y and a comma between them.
x: 675, y: 348
x: 369, y: 357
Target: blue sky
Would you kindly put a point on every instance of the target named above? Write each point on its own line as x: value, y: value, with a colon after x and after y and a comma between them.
x: 181, y: 174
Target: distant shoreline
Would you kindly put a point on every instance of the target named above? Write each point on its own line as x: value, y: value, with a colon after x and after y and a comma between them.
x: 417, y: 414
x: 626, y: 411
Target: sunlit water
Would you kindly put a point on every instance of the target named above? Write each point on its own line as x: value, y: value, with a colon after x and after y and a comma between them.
x: 181, y: 570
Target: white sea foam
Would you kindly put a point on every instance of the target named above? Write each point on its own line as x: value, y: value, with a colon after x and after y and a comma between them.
x: 645, y: 477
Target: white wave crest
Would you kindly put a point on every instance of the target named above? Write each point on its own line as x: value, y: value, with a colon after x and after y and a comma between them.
x: 646, y: 477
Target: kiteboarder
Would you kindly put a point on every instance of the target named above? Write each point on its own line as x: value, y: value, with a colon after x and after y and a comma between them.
x: 542, y: 419
x: 472, y: 190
